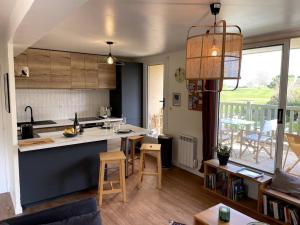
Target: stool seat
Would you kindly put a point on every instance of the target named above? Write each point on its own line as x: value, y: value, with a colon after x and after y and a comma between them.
x: 136, y: 138
x: 112, y: 156
x: 150, y: 147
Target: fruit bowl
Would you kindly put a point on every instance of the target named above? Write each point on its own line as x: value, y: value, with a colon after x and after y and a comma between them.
x: 68, y: 135
x: 70, y: 132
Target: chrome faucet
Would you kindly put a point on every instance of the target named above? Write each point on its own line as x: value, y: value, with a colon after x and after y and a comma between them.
x: 31, y: 116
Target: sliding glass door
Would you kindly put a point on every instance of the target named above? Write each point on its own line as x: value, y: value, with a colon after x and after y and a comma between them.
x: 291, y: 144
x: 248, y: 117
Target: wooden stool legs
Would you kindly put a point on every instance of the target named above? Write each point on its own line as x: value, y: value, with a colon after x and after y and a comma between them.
x: 155, y: 151
x: 101, y: 182
x: 112, y: 157
x: 122, y: 180
x: 133, y: 141
x: 141, y: 168
x: 159, y: 170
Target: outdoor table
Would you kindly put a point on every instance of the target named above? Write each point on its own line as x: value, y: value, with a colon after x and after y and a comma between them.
x: 236, y: 123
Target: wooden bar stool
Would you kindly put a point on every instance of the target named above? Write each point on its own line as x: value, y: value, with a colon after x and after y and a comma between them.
x: 133, y: 141
x: 153, y: 149
x: 112, y: 157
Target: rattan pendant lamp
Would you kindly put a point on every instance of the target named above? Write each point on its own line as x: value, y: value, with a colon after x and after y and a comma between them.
x: 214, y: 52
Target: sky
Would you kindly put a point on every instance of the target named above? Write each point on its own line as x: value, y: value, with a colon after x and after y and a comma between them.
x: 258, y: 68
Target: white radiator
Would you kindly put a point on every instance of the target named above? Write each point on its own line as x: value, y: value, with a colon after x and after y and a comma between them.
x: 187, y: 151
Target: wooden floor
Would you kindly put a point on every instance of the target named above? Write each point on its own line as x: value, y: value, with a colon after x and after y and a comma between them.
x: 6, y: 206
x: 181, y: 197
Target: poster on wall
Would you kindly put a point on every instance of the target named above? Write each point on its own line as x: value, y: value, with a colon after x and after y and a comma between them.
x: 195, y: 95
x: 176, y: 99
x: 6, y: 92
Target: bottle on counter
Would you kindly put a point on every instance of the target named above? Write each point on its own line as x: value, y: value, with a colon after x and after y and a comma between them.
x: 76, y: 124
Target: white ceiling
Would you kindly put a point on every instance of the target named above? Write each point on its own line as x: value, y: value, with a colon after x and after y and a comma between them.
x: 149, y: 27
x: 6, y: 8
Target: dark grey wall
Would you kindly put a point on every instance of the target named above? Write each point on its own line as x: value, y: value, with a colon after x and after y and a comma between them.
x: 127, y: 98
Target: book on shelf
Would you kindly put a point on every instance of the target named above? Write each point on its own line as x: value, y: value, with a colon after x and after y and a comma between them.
x: 221, y: 183
x: 217, y: 181
x: 281, y: 210
x: 238, y: 189
x: 210, y: 180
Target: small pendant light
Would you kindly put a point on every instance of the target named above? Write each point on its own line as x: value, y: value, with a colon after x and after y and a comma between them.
x: 109, y: 59
x: 214, y: 52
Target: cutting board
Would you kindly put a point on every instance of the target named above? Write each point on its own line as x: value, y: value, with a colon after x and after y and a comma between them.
x: 32, y: 142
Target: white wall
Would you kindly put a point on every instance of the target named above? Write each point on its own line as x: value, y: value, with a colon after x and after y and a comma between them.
x: 55, y: 104
x: 177, y: 119
x: 8, y: 145
x: 3, y: 152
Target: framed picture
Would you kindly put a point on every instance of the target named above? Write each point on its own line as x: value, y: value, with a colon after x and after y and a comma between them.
x: 176, y: 99
x: 6, y: 92
x: 195, y: 95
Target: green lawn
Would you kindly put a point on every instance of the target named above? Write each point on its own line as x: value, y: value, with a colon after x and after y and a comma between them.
x: 242, y: 95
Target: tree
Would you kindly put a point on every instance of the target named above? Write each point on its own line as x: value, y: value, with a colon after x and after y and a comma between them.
x: 276, y: 81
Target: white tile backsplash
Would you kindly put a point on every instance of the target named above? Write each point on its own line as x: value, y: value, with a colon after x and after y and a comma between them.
x: 55, y: 104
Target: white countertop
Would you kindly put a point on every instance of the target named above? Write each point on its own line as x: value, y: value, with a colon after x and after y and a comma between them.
x: 67, y: 122
x: 89, y: 135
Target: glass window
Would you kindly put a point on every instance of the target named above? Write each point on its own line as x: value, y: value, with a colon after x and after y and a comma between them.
x: 248, y: 115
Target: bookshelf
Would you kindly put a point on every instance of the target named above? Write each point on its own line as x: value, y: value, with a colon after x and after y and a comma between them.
x: 285, y: 205
x: 255, y: 205
x: 230, y: 173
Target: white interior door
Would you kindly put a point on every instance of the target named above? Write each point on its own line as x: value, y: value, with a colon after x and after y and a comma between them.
x: 156, y: 100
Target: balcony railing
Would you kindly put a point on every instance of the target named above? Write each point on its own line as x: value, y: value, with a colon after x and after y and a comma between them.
x: 260, y: 113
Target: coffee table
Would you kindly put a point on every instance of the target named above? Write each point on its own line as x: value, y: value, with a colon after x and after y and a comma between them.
x: 211, y: 217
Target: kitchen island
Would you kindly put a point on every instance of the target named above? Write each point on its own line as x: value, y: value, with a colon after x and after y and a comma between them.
x: 65, y: 165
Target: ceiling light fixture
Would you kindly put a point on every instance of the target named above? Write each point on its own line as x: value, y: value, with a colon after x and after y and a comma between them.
x: 214, y: 52
x: 110, y: 59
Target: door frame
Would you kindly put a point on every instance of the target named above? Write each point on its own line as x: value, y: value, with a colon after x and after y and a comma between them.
x: 165, y: 62
x: 284, y: 71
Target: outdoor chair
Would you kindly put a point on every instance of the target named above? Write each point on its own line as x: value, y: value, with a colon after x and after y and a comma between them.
x: 294, y: 145
x: 259, y: 140
x: 224, y: 136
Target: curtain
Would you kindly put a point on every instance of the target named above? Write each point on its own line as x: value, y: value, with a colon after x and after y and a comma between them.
x: 209, y: 121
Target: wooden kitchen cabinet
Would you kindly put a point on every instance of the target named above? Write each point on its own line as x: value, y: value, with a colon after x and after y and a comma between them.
x: 91, y: 71
x: 39, y: 61
x: 91, y: 79
x: 60, y: 76
x: 77, y: 71
x: 90, y: 62
x: 58, y: 69
x: 39, y: 68
x: 107, y: 76
x: 21, y: 61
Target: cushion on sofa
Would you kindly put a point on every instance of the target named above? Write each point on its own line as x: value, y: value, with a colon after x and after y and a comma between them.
x: 85, y: 219
x: 56, y: 214
x: 286, y: 183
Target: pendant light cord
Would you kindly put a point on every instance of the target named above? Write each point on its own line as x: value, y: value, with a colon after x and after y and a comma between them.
x: 215, y: 24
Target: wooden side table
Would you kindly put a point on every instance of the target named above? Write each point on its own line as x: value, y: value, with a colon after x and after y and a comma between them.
x: 211, y: 217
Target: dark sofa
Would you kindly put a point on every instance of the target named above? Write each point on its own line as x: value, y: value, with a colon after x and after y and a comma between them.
x: 72, y: 214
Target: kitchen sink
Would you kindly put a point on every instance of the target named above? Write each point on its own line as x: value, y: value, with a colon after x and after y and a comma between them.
x: 41, y: 122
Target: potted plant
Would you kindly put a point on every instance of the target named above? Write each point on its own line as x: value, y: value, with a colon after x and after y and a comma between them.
x: 223, y: 153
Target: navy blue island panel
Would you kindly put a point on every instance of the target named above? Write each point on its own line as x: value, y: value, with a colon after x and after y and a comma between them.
x: 53, y: 172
